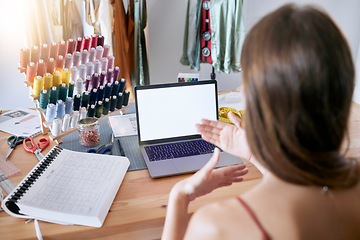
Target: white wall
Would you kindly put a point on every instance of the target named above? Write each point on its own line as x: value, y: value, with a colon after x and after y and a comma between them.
x: 166, y: 20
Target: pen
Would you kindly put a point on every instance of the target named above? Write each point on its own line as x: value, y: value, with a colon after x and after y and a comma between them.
x: 122, y: 153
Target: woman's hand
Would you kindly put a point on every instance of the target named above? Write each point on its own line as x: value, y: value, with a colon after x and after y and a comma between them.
x: 229, y: 137
x: 208, y: 178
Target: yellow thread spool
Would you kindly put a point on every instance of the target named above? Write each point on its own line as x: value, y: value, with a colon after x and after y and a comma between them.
x: 65, y: 76
x: 38, y: 85
x: 48, y: 81
x: 56, y: 79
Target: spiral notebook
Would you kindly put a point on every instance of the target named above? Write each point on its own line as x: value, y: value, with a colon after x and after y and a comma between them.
x: 68, y: 187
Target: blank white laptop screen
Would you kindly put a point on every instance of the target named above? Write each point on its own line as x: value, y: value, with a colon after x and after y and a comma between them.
x: 173, y: 111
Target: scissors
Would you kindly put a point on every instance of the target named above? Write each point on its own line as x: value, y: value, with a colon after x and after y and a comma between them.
x: 36, y: 148
x: 104, y: 148
x: 13, y: 141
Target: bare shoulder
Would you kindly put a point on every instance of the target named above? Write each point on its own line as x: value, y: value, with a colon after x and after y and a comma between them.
x: 225, y: 219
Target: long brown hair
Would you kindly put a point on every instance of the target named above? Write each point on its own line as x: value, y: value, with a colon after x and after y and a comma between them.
x: 298, y: 81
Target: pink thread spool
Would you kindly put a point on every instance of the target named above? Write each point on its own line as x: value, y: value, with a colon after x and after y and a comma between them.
x: 53, y: 50
x: 106, y: 50
x: 76, y: 59
x: 99, y: 52
x: 45, y: 52
x: 111, y: 60
x: 50, y: 66
x: 68, y: 60
x: 34, y: 54
x: 92, y: 53
x: 31, y: 71
x: 62, y: 48
x: 41, y: 68
x: 104, y: 64
x: 60, y: 62
x: 84, y: 56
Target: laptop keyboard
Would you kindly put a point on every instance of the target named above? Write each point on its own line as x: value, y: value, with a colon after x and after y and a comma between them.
x: 177, y: 150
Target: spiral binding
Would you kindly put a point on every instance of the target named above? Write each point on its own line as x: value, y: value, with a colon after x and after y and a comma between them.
x: 31, y: 179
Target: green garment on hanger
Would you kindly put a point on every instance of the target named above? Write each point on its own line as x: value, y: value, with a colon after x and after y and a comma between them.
x: 141, y: 61
x: 227, y: 35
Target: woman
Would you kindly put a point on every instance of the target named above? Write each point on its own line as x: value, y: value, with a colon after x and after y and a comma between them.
x: 298, y: 82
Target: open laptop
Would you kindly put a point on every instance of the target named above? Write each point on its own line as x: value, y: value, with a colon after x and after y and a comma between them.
x: 166, y: 117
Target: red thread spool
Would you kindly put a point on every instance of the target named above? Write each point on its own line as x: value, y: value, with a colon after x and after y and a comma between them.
x: 24, y: 57
x: 50, y: 66
x: 34, y: 54
x: 100, y: 41
x: 94, y: 39
x: 45, y: 52
x: 78, y: 44
x: 62, y: 48
x: 60, y: 62
x: 41, y: 68
x: 70, y: 46
x: 86, y: 43
x: 110, y: 62
x: 53, y: 50
x: 31, y: 71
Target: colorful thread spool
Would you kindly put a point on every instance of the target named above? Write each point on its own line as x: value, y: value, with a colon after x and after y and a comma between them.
x: 102, y: 78
x: 106, y: 50
x: 57, y: 79
x: 99, y: 52
x: 98, y: 109
x: 82, y: 71
x: 50, y: 66
x: 41, y: 68
x: 48, y: 81
x: 34, y: 54
x: 106, y: 107
x: 78, y: 44
x: 24, y: 57
x: 44, y: 99
x: 62, y: 48
x: 113, y: 102
x: 66, y: 123
x: 60, y: 62
x: 93, y: 96
x: 104, y: 64
x: 84, y: 56
x: 54, y: 95
x: 74, y: 74
x: 79, y: 86
x: 56, y: 127
x: 74, y: 119
x: 94, y: 39
x: 38, y: 85
x: 109, y: 76
x: 69, y: 105
x: 100, y: 40
x: 108, y: 90
x: 50, y: 112
x: 116, y: 73
x: 83, y: 113
x: 91, y: 111
x: 119, y: 101
x: 122, y: 84
x: 87, y: 82
x: 126, y: 96
x: 89, y: 69
x: 45, y: 52
x: 70, y: 46
x: 77, y: 100
x: 60, y: 108
x: 115, y: 88
x: 71, y: 89
x: 95, y: 81
x: 97, y: 66
x: 86, y: 43
x: 101, y: 93
x: 31, y: 71
x: 85, y: 99
x: 76, y: 59
x: 53, y: 50
x: 65, y: 76
x: 63, y: 91
x: 92, y: 54
x: 68, y: 61
x: 111, y: 60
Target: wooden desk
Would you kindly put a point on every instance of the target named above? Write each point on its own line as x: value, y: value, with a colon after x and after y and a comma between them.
x: 138, y: 211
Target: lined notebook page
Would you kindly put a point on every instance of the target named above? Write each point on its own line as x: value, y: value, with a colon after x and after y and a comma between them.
x: 75, y: 187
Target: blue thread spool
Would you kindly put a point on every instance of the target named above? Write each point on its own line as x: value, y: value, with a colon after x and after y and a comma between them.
x: 93, y: 96
x: 60, y: 109
x: 108, y: 90
x: 91, y: 111
x: 102, y: 78
x: 85, y: 99
x: 113, y: 102
x: 71, y: 89
x: 115, y: 88
x: 106, y: 106
x: 68, y: 105
x: 116, y: 73
x: 50, y: 112
x: 77, y: 100
x: 63, y: 91
x: 98, y: 109
x: 101, y: 93
x: 122, y: 85
x: 119, y: 101
x: 54, y: 95
x: 126, y: 96
x: 87, y: 82
x: 44, y: 99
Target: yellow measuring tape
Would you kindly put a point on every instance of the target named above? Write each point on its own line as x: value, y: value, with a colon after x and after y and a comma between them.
x: 223, y: 114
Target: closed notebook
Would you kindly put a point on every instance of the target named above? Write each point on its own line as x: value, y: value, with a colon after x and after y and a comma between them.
x: 68, y: 187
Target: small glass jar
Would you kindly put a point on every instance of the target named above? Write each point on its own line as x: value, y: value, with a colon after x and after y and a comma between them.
x: 89, y: 131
